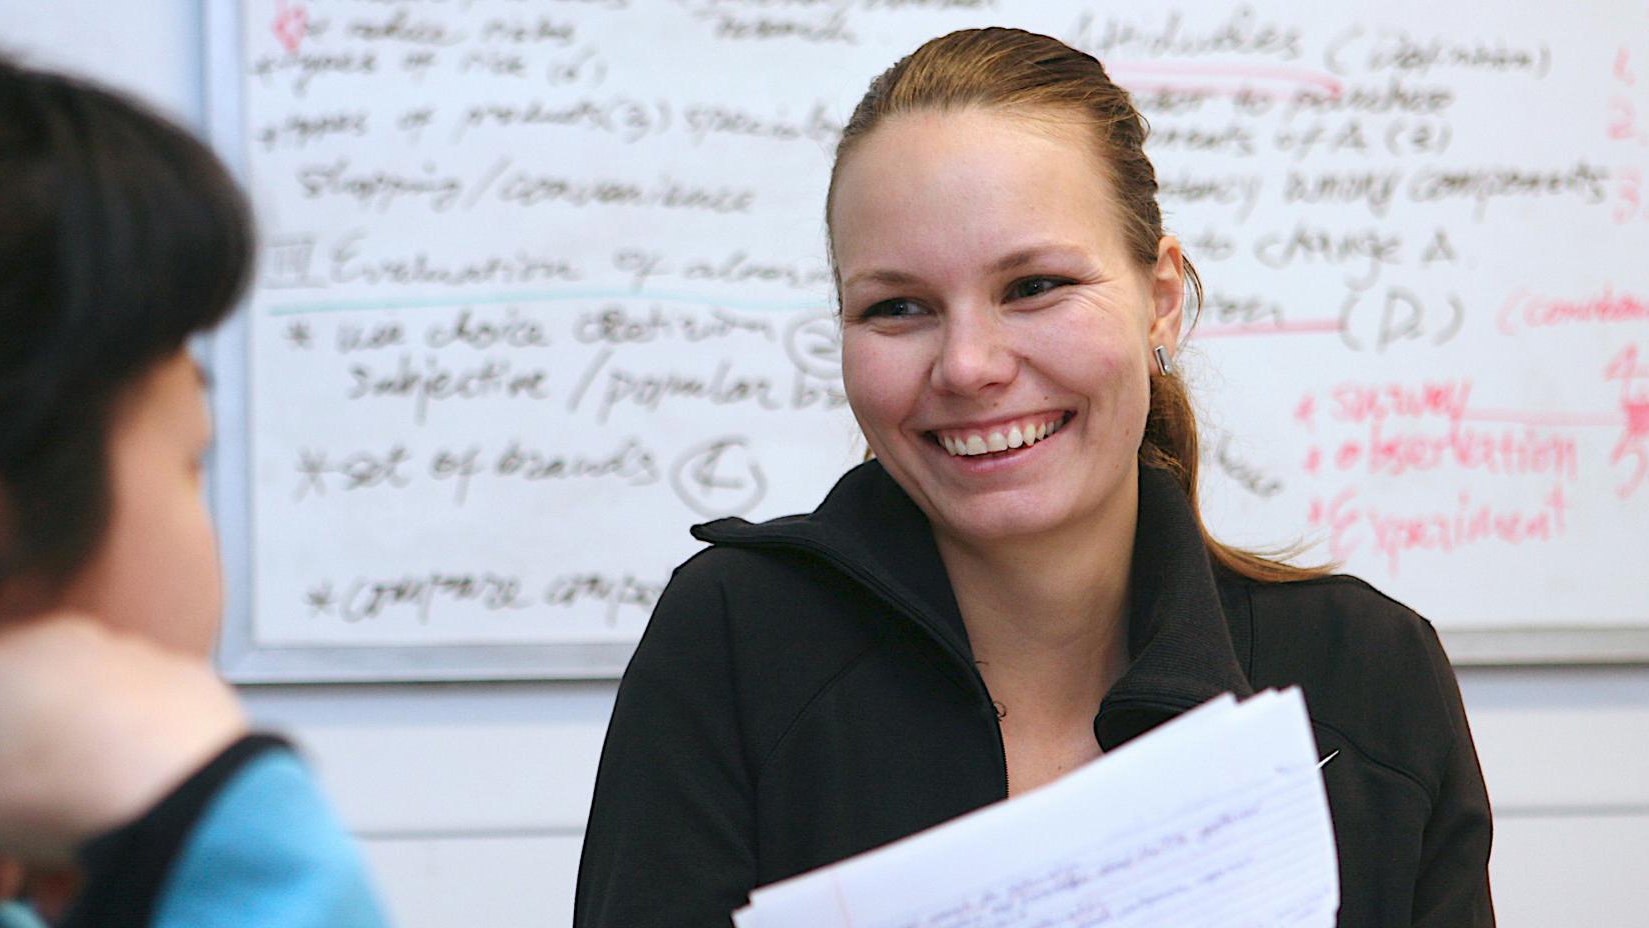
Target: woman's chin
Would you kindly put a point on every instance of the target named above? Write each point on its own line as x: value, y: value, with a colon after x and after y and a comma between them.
x: 1002, y: 521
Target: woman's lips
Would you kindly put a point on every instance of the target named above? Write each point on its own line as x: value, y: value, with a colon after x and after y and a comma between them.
x: 1001, y: 437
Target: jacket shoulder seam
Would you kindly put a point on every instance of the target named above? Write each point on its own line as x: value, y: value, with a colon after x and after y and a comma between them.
x: 759, y: 555
x: 1351, y: 742
x: 1383, y: 605
x: 801, y: 713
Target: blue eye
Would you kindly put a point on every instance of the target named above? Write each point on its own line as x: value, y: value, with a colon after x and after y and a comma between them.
x: 1027, y: 287
x: 895, y: 308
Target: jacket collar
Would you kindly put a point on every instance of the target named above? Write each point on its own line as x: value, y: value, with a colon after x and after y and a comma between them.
x: 1180, y: 639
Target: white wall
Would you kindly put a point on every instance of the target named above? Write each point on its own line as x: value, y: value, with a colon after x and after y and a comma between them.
x: 470, y: 798
x: 149, y: 47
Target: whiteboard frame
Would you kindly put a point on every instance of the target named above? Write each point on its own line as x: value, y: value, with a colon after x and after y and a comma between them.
x: 242, y: 659
x: 1546, y: 646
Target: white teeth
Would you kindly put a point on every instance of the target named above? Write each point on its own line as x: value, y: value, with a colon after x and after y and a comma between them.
x: 1016, y: 436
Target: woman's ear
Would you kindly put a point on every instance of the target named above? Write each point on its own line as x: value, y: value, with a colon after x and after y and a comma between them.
x: 1167, y: 294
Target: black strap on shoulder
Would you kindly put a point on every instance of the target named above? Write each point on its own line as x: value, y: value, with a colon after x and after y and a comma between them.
x: 125, y: 869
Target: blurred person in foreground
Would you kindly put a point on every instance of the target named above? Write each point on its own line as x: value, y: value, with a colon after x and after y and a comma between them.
x: 131, y: 791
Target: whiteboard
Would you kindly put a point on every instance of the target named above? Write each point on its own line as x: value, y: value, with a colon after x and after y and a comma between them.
x: 542, y: 284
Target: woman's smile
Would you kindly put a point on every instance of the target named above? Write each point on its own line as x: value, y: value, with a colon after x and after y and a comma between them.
x: 995, y: 331
x: 999, y: 437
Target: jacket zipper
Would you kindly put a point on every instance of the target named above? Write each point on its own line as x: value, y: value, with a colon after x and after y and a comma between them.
x: 846, y: 566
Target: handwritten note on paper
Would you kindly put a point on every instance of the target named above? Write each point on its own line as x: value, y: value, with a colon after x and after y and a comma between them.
x: 1218, y: 818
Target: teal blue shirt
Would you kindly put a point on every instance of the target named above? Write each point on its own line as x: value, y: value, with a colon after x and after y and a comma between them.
x: 18, y: 915
x: 248, y: 842
x: 269, y: 853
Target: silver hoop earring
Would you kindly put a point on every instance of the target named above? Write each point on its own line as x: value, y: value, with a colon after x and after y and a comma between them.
x: 1162, y: 361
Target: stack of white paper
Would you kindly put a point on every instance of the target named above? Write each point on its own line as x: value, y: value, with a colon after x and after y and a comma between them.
x: 1217, y: 818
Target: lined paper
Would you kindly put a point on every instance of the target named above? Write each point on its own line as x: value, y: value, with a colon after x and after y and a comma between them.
x: 1218, y: 818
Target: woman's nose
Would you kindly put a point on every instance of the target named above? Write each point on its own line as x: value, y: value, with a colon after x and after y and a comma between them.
x: 974, y: 353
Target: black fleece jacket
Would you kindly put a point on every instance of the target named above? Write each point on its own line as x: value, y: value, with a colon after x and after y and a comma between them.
x: 805, y: 691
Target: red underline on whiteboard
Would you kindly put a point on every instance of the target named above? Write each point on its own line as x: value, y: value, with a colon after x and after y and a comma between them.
x: 1315, y: 327
x: 1548, y: 419
x: 1122, y: 71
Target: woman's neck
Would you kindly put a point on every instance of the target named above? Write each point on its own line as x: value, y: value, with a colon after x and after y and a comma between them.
x: 1047, y: 616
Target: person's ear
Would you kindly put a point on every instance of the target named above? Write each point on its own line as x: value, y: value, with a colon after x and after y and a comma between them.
x: 1167, y: 295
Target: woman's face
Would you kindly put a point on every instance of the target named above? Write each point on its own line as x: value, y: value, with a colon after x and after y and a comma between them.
x: 155, y: 573
x: 988, y: 302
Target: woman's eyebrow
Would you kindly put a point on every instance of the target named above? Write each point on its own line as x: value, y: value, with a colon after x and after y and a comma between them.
x: 1030, y: 254
x: 887, y: 276
x: 1007, y: 262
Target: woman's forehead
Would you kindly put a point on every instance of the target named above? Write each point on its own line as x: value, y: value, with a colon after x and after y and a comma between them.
x: 973, y: 181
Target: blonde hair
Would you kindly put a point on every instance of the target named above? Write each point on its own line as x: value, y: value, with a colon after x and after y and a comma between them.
x: 1032, y: 76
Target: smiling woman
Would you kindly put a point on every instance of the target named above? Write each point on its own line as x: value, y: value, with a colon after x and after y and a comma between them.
x: 986, y: 291
x: 1019, y: 580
